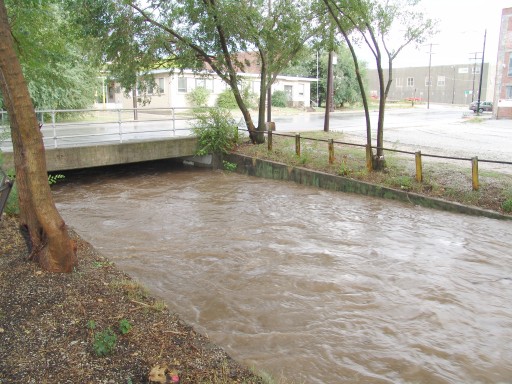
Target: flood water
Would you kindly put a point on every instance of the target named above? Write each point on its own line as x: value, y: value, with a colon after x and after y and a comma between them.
x: 317, y: 286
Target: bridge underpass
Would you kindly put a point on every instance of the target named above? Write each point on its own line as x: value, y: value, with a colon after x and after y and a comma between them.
x: 66, y: 158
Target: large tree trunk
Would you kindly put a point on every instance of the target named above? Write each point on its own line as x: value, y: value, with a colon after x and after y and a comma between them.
x: 50, y: 242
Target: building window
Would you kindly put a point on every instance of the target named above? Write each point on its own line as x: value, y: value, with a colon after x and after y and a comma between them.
x: 410, y: 81
x: 288, y: 89
x: 510, y: 66
x: 463, y: 70
x: 441, y: 80
x: 205, y: 83
x: 399, y: 82
x: 161, y: 85
x: 201, y: 83
x: 428, y: 82
x: 182, y: 84
x: 508, y: 92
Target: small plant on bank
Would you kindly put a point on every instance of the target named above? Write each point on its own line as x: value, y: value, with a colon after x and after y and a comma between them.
x: 228, y: 166
x: 216, y: 131
x: 91, y: 325
x: 124, y: 326
x: 344, y: 169
x: 53, y: 179
x: 507, y: 205
x: 104, y: 342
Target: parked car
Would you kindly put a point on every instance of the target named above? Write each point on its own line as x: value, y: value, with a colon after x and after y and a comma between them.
x: 485, y: 106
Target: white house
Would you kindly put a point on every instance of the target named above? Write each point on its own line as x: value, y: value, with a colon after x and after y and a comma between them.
x: 171, y: 89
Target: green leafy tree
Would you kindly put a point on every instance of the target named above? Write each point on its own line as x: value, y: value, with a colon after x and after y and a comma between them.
x: 137, y: 36
x: 55, y: 60
x: 376, y: 24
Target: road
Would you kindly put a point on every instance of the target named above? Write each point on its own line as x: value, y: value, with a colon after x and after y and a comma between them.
x: 438, y: 130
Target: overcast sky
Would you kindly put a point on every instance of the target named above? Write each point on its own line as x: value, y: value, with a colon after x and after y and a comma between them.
x: 462, y: 24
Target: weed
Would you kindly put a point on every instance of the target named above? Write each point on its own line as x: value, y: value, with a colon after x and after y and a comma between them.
x: 53, y: 179
x: 104, y: 342
x: 124, y: 326
x: 134, y: 290
x: 228, y: 166
x: 344, y: 169
x: 159, y: 306
x: 91, y: 324
x: 507, y: 205
x: 101, y: 264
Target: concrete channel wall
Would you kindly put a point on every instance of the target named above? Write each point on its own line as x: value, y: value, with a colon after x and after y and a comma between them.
x: 278, y: 171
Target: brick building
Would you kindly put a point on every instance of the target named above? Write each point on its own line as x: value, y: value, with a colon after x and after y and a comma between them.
x: 503, y: 89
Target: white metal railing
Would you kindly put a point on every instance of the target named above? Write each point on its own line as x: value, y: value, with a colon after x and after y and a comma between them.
x: 75, y: 127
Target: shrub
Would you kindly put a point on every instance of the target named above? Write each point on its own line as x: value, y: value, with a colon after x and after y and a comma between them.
x: 198, y: 97
x: 226, y: 99
x: 216, y: 131
x: 279, y: 99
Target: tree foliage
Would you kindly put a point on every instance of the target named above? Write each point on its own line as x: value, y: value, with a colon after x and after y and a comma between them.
x: 203, y: 35
x: 385, y: 27
x: 54, y: 58
x: 346, y: 88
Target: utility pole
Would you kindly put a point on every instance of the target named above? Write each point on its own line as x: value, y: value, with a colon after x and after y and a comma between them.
x: 481, y: 75
x: 475, y: 58
x: 429, y: 77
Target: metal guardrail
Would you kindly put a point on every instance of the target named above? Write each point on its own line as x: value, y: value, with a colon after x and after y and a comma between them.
x: 74, y: 127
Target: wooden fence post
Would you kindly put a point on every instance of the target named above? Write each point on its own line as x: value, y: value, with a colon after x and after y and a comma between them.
x: 419, y: 168
x: 331, y: 151
x: 297, y: 144
x: 269, y: 133
x: 474, y: 172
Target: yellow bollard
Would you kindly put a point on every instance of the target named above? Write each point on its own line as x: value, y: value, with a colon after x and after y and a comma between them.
x: 297, y: 144
x: 419, y: 168
x: 269, y: 144
x: 474, y: 173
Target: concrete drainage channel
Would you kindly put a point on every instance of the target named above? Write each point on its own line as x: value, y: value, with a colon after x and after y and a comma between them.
x: 278, y: 171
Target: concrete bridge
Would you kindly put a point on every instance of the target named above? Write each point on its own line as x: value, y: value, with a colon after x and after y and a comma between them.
x: 110, y: 137
x: 88, y: 156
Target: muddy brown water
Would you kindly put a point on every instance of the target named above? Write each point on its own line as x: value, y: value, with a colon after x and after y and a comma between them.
x: 317, y: 286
